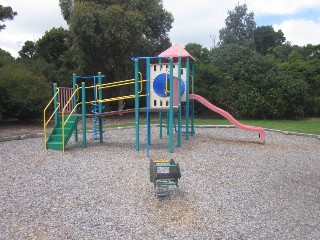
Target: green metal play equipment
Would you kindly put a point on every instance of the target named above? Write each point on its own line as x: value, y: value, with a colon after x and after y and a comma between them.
x: 166, y: 87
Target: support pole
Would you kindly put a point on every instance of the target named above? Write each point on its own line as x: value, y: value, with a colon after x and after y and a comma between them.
x: 74, y: 87
x: 160, y: 123
x: 55, y: 104
x: 148, y: 101
x: 136, y: 92
x: 84, y: 124
x: 171, y: 107
x: 160, y: 113
x: 187, y: 97
x: 100, y: 106
x: 192, y: 108
x: 179, y: 105
x: 167, y: 121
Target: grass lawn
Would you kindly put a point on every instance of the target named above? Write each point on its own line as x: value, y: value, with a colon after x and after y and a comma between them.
x: 303, y: 126
x: 310, y: 126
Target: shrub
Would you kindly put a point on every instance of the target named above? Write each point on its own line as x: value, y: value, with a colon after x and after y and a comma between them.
x: 23, y: 94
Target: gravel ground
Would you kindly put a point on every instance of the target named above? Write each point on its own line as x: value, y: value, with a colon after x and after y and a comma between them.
x: 232, y: 187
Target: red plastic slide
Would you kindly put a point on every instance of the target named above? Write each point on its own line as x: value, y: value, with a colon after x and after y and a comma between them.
x: 259, y: 130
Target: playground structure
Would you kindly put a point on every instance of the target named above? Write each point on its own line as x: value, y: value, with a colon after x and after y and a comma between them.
x: 168, y: 88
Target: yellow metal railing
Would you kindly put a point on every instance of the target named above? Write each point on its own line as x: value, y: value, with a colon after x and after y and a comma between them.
x: 77, y: 90
x: 64, y: 122
x: 46, y: 122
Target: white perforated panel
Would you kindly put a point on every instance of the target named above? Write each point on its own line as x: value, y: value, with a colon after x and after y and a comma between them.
x: 156, y: 69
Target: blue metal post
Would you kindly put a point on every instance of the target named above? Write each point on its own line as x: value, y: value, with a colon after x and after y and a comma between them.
x: 100, y: 106
x: 74, y: 86
x: 136, y: 92
x: 84, y: 124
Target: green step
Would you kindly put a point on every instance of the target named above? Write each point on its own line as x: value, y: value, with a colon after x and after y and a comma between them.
x: 55, y: 139
x: 54, y: 145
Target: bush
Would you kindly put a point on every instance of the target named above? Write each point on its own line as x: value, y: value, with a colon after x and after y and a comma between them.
x: 23, y: 94
x: 254, y: 87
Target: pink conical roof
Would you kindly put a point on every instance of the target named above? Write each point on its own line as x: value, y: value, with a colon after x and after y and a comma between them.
x: 176, y: 51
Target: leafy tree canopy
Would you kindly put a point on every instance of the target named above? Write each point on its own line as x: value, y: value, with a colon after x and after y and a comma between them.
x: 28, y: 50
x: 5, y: 57
x: 6, y: 13
x: 53, y: 45
x: 240, y: 26
x: 107, y: 33
x: 265, y: 38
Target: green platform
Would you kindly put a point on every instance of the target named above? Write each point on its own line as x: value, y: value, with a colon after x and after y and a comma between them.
x: 55, y: 139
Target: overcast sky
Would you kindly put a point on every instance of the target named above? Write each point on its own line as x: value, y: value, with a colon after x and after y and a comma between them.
x: 195, y: 21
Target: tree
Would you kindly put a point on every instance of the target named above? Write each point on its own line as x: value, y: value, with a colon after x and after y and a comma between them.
x: 6, y: 13
x: 53, y: 45
x: 265, y: 38
x: 106, y: 34
x: 66, y: 8
x: 5, y: 57
x: 240, y: 26
x: 199, y: 52
x: 28, y: 50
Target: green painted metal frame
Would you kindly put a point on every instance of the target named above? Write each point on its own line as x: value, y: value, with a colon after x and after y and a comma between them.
x: 187, y: 96
x: 170, y: 113
x: 74, y: 87
x: 179, y: 105
x: 55, y: 104
x: 171, y: 106
x: 84, y: 124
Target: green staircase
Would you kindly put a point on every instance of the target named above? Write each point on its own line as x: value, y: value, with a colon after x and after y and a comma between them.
x: 55, y: 139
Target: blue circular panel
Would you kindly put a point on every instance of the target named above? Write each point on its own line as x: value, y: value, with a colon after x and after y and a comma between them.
x: 159, y: 85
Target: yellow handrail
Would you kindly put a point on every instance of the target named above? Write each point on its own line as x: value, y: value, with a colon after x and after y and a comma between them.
x: 167, y: 91
x: 117, y: 98
x: 45, y: 123
x: 140, y: 74
x: 62, y: 112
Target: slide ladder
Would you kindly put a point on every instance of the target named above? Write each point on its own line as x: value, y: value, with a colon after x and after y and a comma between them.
x: 95, y: 120
x: 55, y: 140
x: 236, y: 123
